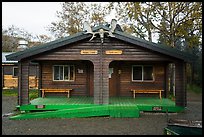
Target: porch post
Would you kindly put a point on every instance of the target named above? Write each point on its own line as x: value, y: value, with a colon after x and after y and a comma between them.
x: 166, y: 78
x: 39, y: 79
x: 23, y: 83
x: 105, y: 89
x: 97, y: 83
x: 101, y: 82
x: 2, y: 72
x: 180, y: 84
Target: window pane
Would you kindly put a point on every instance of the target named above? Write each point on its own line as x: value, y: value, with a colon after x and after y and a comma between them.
x: 148, y: 73
x: 61, y: 72
x: 15, y: 71
x: 56, y: 73
x: 64, y: 72
x: 66, y: 77
x: 71, y: 73
x: 137, y: 73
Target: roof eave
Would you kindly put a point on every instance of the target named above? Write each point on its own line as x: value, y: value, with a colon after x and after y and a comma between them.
x: 153, y: 46
x: 119, y: 35
x: 45, y: 47
x: 51, y: 45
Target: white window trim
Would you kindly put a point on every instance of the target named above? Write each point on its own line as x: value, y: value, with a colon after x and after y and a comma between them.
x: 63, y: 73
x: 142, y: 80
x: 13, y: 71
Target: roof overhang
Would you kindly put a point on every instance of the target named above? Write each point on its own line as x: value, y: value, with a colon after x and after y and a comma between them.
x: 118, y: 35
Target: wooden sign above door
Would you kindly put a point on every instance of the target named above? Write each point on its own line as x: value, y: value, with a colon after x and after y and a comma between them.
x: 89, y: 52
x: 114, y: 52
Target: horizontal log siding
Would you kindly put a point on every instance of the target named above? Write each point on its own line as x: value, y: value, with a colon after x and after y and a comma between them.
x: 126, y: 83
x: 180, y: 84
x: 23, y: 93
x: 79, y: 84
x: 129, y: 53
x: 8, y: 69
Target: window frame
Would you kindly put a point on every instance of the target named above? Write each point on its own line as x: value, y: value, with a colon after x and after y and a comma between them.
x: 53, y: 73
x: 142, y: 80
x: 14, y: 72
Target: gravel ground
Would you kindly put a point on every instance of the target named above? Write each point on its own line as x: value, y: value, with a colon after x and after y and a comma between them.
x: 146, y: 124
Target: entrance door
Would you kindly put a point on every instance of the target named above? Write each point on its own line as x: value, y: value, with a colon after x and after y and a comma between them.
x: 114, y: 79
x: 90, y: 73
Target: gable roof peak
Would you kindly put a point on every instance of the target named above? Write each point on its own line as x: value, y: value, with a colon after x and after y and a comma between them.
x: 117, y: 34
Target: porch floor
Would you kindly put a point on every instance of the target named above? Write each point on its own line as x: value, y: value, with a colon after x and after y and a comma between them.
x: 112, y: 100
x: 78, y: 106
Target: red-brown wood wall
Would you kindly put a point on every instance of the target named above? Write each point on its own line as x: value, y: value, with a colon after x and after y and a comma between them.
x: 131, y: 54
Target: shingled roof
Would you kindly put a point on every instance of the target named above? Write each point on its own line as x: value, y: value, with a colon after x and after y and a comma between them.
x: 173, y: 52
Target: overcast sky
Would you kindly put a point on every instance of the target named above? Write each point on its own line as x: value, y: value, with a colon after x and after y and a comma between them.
x: 33, y: 17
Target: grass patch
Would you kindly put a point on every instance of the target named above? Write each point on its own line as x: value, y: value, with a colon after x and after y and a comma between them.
x: 194, y: 88
x: 10, y: 92
x: 33, y: 93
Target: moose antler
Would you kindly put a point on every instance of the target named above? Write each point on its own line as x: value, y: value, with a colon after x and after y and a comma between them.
x: 88, y: 30
x: 113, y: 26
x: 101, y: 32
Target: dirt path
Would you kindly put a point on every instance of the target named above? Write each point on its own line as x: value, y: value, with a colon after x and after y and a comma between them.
x: 147, y: 124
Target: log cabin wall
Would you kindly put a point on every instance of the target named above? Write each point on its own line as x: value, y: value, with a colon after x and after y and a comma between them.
x: 80, y: 85
x: 101, y: 62
x: 8, y: 69
x: 23, y: 82
x: 125, y: 78
x: 33, y: 76
x: 10, y: 81
x: 180, y: 83
x: 129, y: 52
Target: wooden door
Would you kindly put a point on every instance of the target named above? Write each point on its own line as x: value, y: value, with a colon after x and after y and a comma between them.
x: 90, y: 74
x: 114, y: 80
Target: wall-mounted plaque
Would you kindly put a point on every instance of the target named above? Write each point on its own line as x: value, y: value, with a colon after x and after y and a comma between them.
x: 89, y: 52
x: 80, y: 71
x: 114, y: 52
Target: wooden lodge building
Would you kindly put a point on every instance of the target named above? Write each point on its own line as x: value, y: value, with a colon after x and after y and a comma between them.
x: 103, y: 65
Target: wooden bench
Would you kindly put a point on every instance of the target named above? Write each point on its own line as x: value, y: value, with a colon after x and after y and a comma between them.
x: 154, y: 91
x: 56, y: 90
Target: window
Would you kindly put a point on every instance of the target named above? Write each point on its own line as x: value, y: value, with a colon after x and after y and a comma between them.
x: 142, y: 73
x: 63, y: 73
x: 15, y: 72
x: 147, y: 73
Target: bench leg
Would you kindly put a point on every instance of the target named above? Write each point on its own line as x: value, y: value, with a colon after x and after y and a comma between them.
x: 43, y: 94
x: 68, y: 94
x: 160, y: 94
x: 134, y: 94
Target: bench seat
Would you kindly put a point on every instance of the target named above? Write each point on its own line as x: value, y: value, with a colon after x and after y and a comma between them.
x: 147, y: 91
x: 56, y: 90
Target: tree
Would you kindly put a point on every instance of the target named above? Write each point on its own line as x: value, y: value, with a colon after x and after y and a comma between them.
x: 96, y: 14
x: 181, y: 27
x: 70, y: 19
x: 12, y: 35
x: 139, y: 16
x: 171, y: 20
x: 178, y: 20
x: 9, y: 39
x: 43, y: 38
x: 73, y: 15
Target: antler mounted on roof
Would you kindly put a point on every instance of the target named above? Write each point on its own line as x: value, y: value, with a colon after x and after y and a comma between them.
x: 101, y: 32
